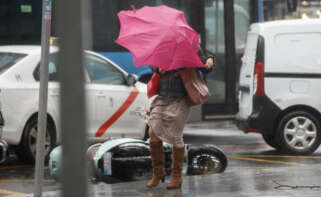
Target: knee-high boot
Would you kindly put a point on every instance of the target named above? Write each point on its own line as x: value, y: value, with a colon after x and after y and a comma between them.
x: 157, y: 154
x: 176, y: 176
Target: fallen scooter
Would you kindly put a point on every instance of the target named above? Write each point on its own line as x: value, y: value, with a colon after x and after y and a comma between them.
x: 127, y: 159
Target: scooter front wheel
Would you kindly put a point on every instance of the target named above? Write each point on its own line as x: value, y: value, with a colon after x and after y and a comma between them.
x: 206, y: 159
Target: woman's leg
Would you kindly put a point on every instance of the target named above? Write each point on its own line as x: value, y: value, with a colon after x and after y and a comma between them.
x: 157, y: 154
x: 176, y: 176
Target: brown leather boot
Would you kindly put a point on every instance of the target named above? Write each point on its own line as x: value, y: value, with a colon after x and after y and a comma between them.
x: 176, y: 177
x: 157, y: 154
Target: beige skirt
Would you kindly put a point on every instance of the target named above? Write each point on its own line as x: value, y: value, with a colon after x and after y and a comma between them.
x: 167, y: 118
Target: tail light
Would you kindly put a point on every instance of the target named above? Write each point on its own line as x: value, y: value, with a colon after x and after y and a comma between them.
x: 258, y: 83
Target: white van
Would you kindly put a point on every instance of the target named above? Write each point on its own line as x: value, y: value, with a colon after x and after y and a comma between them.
x: 280, y: 84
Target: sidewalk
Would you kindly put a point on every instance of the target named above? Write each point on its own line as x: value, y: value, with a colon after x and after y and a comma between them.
x: 295, y: 181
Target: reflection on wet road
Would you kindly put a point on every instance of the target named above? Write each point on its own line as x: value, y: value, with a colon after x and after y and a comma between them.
x: 247, y: 154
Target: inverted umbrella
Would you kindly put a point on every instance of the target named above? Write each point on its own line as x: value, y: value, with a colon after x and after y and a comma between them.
x: 159, y: 36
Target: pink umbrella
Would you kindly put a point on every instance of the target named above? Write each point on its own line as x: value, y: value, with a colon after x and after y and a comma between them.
x: 159, y: 36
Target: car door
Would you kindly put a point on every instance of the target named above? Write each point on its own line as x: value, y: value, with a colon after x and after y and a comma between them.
x: 112, y: 100
x: 53, y: 86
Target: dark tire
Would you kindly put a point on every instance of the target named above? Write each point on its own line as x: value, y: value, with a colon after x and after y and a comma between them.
x: 299, y: 132
x: 271, y: 141
x: 206, y: 159
x: 26, y: 150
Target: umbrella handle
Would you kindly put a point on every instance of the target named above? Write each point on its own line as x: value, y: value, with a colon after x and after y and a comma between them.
x: 133, y: 8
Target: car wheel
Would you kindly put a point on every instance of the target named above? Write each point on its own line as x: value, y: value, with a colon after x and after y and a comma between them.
x: 271, y: 141
x: 28, y: 145
x: 299, y: 132
x: 206, y: 160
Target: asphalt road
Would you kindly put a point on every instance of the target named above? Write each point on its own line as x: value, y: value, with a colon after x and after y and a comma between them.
x: 245, y: 152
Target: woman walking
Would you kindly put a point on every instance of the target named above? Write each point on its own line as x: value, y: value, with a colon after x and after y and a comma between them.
x: 167, y: 117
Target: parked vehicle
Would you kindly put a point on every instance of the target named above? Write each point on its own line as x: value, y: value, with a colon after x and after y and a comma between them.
x: 280, y: 80
x: 129, y: 159
x: 125, y: 61
x: 112, y: 95
x: 3, y: 143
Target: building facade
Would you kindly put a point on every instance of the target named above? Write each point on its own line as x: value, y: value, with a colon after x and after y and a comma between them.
x: 222, y: 26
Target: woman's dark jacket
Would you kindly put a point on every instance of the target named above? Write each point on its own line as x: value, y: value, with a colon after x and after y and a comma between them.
x: 171, y: 84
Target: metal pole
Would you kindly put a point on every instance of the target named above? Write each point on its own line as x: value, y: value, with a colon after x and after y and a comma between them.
x: 70, y: 25
x: 43, y: 97
x: 216, y: 25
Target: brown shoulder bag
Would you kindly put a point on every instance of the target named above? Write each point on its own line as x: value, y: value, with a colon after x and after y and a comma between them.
x: 195, y: 86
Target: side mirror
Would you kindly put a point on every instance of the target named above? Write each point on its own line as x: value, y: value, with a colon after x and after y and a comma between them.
x: 131, y: 79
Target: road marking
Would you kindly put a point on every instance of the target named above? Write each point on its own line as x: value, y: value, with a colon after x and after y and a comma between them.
x: 251, y: 167
x: 243, y: 147
x: 3, y: 191
x: 284, y: 156
x: 14, y: 167
x: 25, y: 181
x: 264, y: 160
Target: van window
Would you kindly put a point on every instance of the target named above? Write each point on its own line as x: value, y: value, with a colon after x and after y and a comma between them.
x: 297, y: 51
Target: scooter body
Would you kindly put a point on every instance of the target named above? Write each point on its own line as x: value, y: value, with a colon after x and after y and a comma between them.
x: 129, y: 159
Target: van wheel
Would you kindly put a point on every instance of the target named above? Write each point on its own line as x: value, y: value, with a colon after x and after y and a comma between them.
x: 28, y: 145
x: 299, y: 132
x: 271, y: 141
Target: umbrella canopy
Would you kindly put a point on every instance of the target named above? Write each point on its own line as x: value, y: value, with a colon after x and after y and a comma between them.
x: 159, y: 36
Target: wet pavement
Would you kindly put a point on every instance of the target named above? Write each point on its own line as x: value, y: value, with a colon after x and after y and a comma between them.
x: 285, y: 181
x: 254, y: 169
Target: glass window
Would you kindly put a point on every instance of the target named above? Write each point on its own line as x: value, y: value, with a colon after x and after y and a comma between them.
x: 52, y: 68
x: 215, y: 44
x: 242, y: 23
x: 290, y: 9
x: 102, y: 72
x: 9, y: 59
x: 106, y: 24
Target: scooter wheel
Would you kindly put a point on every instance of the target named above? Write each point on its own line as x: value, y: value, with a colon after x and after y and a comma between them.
x: 206, y: 159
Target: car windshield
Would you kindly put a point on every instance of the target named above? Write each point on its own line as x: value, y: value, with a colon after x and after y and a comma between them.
x: 9, y: 59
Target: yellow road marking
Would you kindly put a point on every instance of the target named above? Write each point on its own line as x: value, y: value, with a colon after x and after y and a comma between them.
x: 251, y: 167
x: 3, y: 191
x: 283, y: 156
x: 25, y: 181
x: 264, y: 160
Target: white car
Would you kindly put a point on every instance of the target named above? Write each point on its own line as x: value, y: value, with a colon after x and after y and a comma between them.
x: 112, y: 96
x: 280, y: 82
